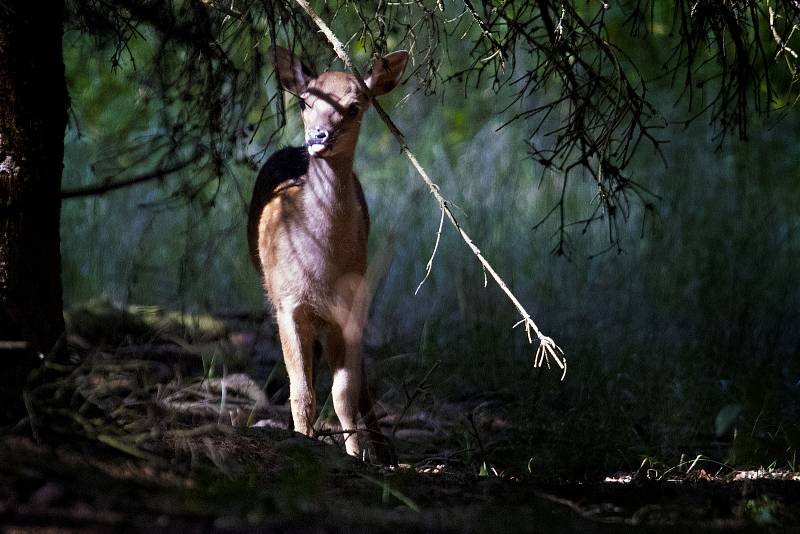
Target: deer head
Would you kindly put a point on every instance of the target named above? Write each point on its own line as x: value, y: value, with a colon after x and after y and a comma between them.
x: 332, y: 104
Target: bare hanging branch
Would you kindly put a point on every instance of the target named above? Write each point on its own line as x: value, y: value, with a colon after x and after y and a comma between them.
x: 548, y: 349
x: 109, y: 184
x: 573, y: 69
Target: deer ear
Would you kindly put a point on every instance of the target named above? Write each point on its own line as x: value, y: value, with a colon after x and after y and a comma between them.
x: 386, y: 73
x: 294, y: 76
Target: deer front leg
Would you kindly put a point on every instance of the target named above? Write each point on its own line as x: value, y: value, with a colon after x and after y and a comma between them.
x: 296, y: 330
x: 347, y: 315
x: 346, y: 369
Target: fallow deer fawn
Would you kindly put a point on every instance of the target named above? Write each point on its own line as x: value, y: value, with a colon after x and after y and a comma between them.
x: 307, y: 231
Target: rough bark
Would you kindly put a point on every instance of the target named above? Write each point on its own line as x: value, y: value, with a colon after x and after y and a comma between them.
x: 33, y: 116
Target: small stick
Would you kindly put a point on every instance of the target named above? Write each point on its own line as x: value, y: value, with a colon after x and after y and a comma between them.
x: 429, y: 265
x: 421, y: 387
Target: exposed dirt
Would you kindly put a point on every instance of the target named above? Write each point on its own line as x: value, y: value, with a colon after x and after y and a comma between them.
x: 272, y: 480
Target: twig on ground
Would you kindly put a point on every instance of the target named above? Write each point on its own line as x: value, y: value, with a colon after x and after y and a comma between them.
x: 422, y: 386
x: 476, y: 435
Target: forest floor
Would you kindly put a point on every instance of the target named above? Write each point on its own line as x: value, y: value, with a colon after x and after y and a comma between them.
x: 148, y: 436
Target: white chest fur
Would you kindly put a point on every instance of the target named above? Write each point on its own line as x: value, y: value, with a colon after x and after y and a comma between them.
x: 318, y: 237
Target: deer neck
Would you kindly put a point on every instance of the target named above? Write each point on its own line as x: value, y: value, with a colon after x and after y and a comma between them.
x: 330, y: 181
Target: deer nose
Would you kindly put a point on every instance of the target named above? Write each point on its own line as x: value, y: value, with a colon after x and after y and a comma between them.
x: 317, y: 136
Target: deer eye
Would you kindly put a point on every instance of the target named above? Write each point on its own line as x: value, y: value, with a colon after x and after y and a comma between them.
x: 352, y: 110
x: 302, y: 104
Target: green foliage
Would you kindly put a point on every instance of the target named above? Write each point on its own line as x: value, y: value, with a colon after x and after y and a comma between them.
x: 100, y: 321
x: 390, y: 494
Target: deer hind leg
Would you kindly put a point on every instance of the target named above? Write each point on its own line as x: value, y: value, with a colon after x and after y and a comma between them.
x: 297, y: 328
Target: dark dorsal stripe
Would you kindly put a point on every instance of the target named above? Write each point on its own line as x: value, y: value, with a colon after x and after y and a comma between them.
x: 286, y: 165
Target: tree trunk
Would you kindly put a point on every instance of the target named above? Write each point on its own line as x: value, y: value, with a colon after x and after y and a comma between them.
x: 33, y: 116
